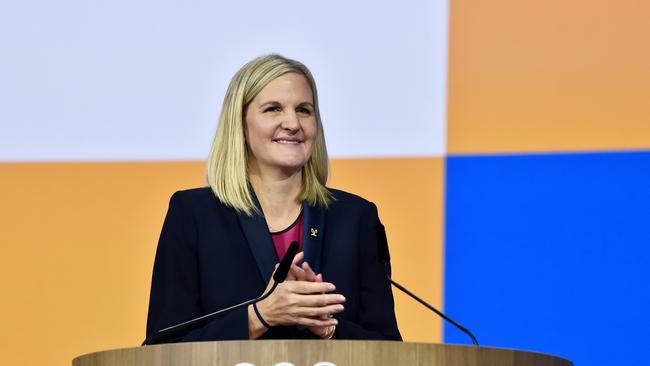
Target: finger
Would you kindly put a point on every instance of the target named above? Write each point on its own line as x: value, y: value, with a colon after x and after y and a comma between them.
x: 307, y: 268
x: 319, y: 278
x: 297, y: 318
x: 323, y: 303
x: 308, y: 271
x: 320, y: 300
x: 298, y: 258
x: 305, y: 287
x: 297, y: 273
x: 291, y: 277
x: 321, y: 313
x: 316, y: 322
x: 312, y: 322
x: 318, y: 313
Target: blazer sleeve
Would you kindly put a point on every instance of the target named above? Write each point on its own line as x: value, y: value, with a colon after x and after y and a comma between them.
x: 175, y: 292
x: 377, y: 308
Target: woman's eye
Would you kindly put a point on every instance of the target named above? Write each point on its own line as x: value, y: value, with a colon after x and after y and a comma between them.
x: 304, y: 111
x: 272, y: 109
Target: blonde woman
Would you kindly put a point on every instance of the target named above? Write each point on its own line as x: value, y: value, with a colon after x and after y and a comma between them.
x: 266, y: 173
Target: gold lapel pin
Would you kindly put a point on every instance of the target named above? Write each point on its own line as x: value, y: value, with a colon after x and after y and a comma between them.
x: 314, y: 232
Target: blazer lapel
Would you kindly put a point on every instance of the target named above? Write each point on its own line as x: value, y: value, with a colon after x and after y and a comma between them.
x: 312, y: 234
x: 257, y: 234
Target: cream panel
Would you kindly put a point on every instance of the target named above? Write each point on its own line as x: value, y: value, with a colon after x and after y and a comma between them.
x: 124, y: 80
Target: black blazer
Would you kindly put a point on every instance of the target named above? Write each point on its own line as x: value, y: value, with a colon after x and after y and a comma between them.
x: 210, y: 257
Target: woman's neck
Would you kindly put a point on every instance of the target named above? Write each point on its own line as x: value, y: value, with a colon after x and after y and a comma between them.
x: 278, y: 195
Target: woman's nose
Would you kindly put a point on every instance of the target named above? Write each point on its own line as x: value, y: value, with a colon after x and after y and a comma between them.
x: 291, y: 121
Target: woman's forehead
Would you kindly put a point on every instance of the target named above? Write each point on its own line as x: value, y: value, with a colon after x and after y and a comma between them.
x: 290, y: 87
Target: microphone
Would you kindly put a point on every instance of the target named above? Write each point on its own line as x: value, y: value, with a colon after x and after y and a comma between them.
x: 384, y: 257
x: 178, y: 330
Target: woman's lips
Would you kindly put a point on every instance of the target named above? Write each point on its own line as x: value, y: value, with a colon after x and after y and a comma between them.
x: 288, y: 142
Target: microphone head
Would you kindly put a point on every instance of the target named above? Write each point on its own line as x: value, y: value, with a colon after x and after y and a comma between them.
x: 285, y: 264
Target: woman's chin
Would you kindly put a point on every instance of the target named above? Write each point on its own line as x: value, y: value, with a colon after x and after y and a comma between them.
x: 290, y: 167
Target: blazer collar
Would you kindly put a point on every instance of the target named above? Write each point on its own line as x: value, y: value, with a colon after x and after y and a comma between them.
x: 259, y: 239
x: 257, y: 234
x: 313, y: 233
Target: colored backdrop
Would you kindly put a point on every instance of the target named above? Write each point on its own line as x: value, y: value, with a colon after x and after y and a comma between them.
x: 506, y: 144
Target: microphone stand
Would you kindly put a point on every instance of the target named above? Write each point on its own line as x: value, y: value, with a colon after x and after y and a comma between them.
x: 178, y: 330
x: 383, y: 255
x: 430, y: 307
x: 174, y: 331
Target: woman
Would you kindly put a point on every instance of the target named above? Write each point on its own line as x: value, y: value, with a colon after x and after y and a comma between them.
x: 267, y: 171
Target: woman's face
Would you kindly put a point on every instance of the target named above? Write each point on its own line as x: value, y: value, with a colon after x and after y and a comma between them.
x: 280, y: 125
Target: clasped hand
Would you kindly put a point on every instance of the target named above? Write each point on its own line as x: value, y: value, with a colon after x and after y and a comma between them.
x: 303, y: 298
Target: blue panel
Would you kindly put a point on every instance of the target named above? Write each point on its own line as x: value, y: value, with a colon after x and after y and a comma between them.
x: 550, y: 253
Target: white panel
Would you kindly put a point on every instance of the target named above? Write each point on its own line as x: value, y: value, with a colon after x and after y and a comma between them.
x: 144, y: 80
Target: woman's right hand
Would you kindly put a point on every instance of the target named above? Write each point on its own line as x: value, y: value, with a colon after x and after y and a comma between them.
x: 297, y: 302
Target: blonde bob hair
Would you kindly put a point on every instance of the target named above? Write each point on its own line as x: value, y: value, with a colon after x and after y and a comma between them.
x: 227, y: 166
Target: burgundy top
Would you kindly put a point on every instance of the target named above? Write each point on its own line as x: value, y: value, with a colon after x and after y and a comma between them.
x: 282, y: 239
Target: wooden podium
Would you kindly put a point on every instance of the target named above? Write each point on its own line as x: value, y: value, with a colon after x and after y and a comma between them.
x: 319, y: 353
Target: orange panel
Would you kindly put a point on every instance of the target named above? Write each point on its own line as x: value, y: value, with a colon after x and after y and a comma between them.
x: 548, y: 75
x: 78, y: 242
x: 409, y: 196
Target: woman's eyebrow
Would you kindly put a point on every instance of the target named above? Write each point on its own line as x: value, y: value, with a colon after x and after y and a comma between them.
x: 273, y: 102
x: 269, y: 102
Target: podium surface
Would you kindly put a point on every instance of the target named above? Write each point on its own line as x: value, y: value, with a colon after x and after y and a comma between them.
x: 321, y: 353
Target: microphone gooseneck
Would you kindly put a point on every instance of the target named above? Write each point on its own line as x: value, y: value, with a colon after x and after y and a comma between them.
x: 384, y: 257
x: 179, y: 330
